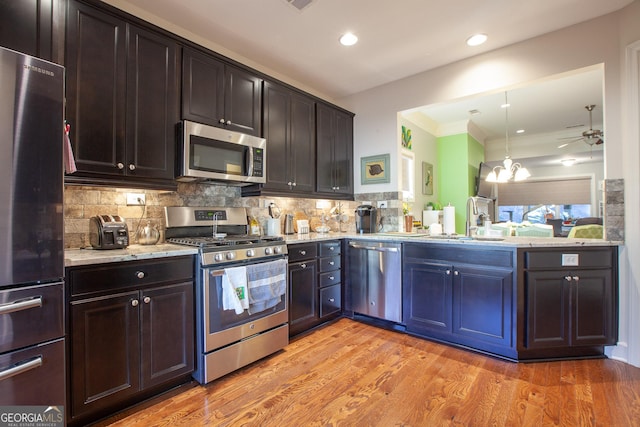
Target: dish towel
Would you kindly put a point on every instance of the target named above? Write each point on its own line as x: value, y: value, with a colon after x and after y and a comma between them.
x: 69, y: 160
x: 267, y: 283
x: 234, y: 289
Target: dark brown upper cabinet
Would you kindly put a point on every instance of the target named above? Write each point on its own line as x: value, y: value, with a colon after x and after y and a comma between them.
x: 122, y: 100
x: 220, y: 94
x: 334, y: 154
x: 29, y: 26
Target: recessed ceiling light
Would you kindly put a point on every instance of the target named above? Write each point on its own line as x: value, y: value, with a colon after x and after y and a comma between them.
x: 568, y: 162
x: 474, y: 112
x: 348, y: 39
x: 507, y: 105
x: 520, y: 131
x: 476, y: 39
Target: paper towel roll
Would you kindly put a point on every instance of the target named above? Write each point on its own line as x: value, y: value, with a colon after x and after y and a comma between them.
x: 430, y: 217
x: 449, y: 220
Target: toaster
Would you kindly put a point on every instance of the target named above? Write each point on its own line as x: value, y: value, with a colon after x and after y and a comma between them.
x: 108, y: 232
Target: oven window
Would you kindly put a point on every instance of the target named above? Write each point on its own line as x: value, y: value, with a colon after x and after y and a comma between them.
x: 218, y: 156
x: 221, y: 319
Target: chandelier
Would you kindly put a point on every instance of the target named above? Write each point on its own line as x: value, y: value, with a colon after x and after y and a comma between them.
x: 509, y: 170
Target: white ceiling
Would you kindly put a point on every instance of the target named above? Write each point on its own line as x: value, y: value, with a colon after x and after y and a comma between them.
x: 397, y: 38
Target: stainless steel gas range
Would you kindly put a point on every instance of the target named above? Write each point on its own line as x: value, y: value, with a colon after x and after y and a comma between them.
x: 241, y: 288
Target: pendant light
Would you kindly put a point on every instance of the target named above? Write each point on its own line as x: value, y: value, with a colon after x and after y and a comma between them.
x: 508, y: 170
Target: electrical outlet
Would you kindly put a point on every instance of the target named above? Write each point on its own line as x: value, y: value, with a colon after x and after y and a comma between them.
x: 136, y: 199
x: 570, y: 260
x: 382, y: 204
x: 266, y: 203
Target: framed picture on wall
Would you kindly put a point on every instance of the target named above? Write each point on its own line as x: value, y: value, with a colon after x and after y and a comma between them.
x: 375, y: 169
x: 427, y: 178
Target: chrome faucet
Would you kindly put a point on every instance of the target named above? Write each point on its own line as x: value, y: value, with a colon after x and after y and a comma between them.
x: 471, y: 204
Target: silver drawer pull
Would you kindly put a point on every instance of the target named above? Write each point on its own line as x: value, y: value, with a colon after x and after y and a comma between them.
x: 331, y: 277
x: 140, y: 274
x: 332, y: 300
x: 303, y: 252
x: 303, y: 265
x: 135, y: 302
x: 20, y: 305
x: 147, y: 300
x: 332, y: 263
x: 331, y: 248
x: 567, y: 278
x: 21, y: 368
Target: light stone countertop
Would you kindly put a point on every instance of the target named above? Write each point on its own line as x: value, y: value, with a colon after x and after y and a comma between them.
x: 88, y: 256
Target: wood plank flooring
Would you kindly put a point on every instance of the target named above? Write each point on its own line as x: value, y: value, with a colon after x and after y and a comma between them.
x: 352, y: 374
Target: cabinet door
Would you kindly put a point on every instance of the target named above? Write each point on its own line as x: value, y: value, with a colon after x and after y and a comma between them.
x: 302, y: 148
x: 242, y: 101
x: 152, y: 104
x: 167, y: 333
x: 202, y: 88
x: 594, y: 316
x: 276, y: 131
x: 547, y: 309
x: 427, y: 297
x: 334, y: 151
x: 482, y: 304
x: 303, y: 306
x: 105, y: 352
x: 27, y: 26
x: 95, y: 88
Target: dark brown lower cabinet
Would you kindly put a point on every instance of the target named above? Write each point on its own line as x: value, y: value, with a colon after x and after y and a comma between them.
x: 132, y: 341
x: 464, y: 304
x: 570, y: 303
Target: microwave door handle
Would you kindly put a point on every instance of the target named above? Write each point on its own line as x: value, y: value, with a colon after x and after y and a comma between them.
x: 249, y: 161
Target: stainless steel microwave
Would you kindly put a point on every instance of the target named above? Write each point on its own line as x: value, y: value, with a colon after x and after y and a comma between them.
x: 216, y: 154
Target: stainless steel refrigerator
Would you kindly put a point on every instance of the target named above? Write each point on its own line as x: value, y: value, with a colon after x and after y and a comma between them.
x: 31, y: 231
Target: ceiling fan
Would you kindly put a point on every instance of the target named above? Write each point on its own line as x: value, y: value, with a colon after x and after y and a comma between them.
x: 591, y: 137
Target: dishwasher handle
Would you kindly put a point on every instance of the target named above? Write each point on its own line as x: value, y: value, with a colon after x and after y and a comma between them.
x: 373, y: 248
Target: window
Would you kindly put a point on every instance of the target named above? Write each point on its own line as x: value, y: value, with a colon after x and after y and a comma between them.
x: 540, y: 213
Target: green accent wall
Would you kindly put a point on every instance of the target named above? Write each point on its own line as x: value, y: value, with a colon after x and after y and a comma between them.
x: 458, y: 159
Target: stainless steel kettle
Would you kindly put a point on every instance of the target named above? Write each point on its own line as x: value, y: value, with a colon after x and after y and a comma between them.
x: 288, y: 224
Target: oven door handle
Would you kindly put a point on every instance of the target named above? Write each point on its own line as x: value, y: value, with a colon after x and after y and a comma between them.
x: 21, y: 368
x: 12, y: 307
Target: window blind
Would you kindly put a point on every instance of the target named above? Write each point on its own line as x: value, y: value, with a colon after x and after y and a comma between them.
x: 571, y: 191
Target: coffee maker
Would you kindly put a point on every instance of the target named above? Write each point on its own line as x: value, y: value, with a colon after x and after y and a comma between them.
x: 366, y: 219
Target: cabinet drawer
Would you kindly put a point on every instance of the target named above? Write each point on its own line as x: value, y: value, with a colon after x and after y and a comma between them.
x: 31, y: 315
x: 329, y: 278
x: 596, y: 258
x: 119, y: 276
x: 330, y: 248
x: 302, y: 251
x: 330, y: 264
x: 330, y: 300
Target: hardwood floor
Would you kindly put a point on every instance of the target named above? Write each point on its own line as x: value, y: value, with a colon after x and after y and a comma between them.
x: 352, y: 374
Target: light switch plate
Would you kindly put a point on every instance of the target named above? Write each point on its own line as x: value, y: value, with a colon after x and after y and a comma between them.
x: 570, y: 260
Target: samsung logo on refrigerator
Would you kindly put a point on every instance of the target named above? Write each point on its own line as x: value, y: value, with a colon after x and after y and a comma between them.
x: 38, y: 70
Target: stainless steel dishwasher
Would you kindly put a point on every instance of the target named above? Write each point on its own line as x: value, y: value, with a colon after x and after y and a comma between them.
x: 375, y: 278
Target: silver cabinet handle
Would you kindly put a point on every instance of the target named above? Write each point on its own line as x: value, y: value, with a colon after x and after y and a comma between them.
x: 331, y: 277
x: 567, y: 278
x: 303, y: 265
x: 228, y: 122
x: 332, y: 263
x: 303, y: 252
x: 147, y: 300
x: 221, y: 121
x: 576, y: 278
x: 132, y: 167
x: 448, y: 272
x: 331, y: 248
x: 120, y: 166
x: 456, y: 273
x: 20, y: 305
x: 135, y: 302
x: 21, y: 368
x: 332, y: 300
x: 140, y: 274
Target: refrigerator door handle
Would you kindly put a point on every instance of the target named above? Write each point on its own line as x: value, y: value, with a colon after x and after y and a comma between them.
x: 21, y: 368
x: 12, y: 307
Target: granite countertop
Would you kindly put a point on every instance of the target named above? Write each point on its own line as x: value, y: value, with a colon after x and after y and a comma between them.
x: 88, y: 256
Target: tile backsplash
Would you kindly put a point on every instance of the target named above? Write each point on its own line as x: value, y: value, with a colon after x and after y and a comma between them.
x: 83, y: 202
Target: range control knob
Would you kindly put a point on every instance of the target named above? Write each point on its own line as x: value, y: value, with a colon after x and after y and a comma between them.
x: 277, y: 249
x: 268, y: 251
x: 251, y: 252
x: 231, y: 255
x: 219, y: 257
